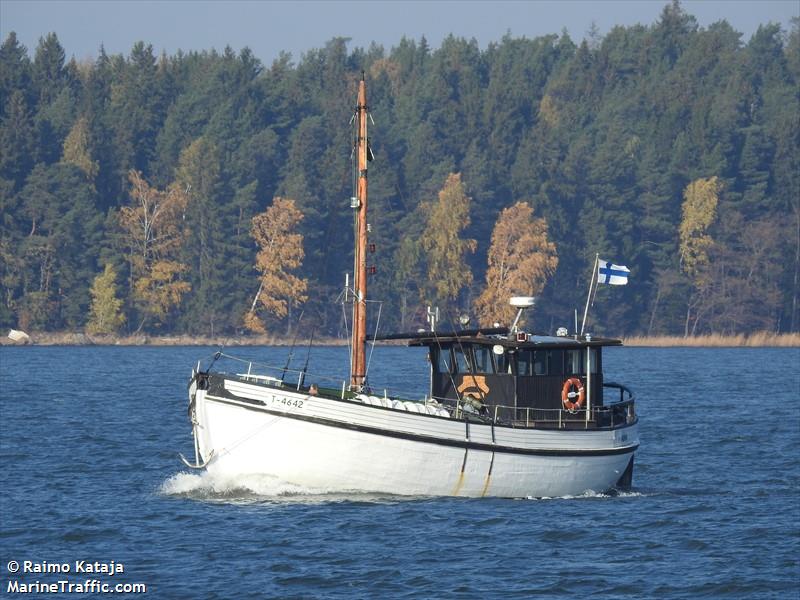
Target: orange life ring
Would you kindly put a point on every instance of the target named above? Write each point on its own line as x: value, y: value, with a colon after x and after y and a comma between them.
x: 566, y: 395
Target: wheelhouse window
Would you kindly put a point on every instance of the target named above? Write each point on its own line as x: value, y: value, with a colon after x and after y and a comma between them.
x: 555, y: 362
x: 443, y: 360
x: 465, y: 359
x: 483, y: 359
x: 461, y: 363
x: 539, y: 362
x: 575, y: 361
x: 525, y: 362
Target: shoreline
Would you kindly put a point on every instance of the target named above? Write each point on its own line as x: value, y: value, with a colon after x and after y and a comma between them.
x: 754, y: 340
x: 83, y: 339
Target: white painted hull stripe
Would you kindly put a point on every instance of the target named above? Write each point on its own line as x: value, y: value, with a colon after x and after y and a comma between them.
x: 428, y: 439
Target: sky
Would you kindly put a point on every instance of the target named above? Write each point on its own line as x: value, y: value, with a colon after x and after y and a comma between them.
x: 269, y: 27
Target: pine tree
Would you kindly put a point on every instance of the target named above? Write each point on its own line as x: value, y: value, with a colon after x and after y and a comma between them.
x: 15, y: 70
x: 48, y: 68
x: 210, y: 218
x: 17, y: 140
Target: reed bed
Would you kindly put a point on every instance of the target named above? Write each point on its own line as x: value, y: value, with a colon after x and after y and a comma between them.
x: 759, y: 339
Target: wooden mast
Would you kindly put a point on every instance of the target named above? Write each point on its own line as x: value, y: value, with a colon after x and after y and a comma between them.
x: 358, y: 359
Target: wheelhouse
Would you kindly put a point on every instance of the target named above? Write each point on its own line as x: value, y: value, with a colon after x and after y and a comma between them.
x: 522, y: 374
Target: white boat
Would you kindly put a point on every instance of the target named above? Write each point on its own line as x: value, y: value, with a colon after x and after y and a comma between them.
x: 507, y: 413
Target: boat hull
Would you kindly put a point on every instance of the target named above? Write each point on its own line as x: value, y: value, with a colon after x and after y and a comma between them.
x: 332, y: 445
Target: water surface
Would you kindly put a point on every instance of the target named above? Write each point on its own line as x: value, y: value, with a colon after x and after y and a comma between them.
x: 89, y: 439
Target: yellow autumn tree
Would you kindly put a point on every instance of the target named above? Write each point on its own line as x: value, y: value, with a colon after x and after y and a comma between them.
x: 444, y: 250
x: 521, y: 259
x: 153, y: 233
x: 280, y: 253
x: 77, y: 149
x: 105, y: 316
x: 700, y: 200
x: 161, y: 288
x: 699, y: 211
x: 547, y: 111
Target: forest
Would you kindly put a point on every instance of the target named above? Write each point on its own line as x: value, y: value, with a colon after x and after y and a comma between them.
x: 208, y: 193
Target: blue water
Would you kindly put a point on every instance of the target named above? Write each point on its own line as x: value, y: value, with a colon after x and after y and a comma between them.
x: 88, y: 447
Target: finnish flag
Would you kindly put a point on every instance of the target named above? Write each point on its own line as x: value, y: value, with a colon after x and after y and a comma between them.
x: 612, y: 274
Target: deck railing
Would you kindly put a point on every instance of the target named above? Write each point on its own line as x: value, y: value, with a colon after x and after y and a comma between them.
x: 615, y: 414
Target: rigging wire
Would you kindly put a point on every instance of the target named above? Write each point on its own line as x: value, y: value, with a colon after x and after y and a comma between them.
x: 372, y: 344
x: 470, y: 366
x: 347, y: 335
x: 294, y: 341
x: 449, y: 370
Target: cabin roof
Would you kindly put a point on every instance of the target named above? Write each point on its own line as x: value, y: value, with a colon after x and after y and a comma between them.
x: 496, y: 335
x: 425, y: 334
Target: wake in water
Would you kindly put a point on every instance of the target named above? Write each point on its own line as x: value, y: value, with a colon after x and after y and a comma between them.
x: 592, y: 495
x: 254, y: 489
x: 216, y: 486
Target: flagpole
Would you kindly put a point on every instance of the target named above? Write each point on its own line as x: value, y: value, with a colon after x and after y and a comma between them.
x: 592, y: 283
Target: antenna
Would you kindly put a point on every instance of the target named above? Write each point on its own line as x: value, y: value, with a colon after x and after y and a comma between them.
x: 521, y: 303
x: 433, y: 317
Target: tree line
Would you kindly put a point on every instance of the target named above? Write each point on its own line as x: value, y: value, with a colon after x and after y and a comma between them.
x: 207, y: 193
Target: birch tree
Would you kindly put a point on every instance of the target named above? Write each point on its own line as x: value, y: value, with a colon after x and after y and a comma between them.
x: 280, y: 254
x: 448, y: 272
x: 699, y: 211
x: 521, y: 259
x: 153, y: 233
x: 106, y: 311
